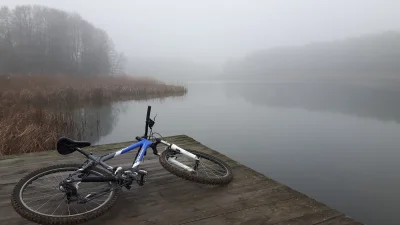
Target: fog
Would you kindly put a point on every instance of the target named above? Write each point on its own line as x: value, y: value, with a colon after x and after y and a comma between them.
x: 195, y: 40
x: 324, y: 116
x: 214, y: 31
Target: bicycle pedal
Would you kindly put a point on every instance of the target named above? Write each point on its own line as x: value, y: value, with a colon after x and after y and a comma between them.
x: 142, y: 177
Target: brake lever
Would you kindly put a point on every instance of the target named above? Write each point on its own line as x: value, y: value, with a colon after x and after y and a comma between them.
x: 150, y: 123
x: 154, y: 146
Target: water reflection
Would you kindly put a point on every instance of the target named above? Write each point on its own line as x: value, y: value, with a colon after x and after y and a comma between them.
x: 94, y: 122
x: 376, y: 102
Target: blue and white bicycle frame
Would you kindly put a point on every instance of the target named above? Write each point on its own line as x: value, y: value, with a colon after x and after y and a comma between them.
x: 143, y: 145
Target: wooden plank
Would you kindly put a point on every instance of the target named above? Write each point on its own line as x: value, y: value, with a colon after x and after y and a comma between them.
x: 278, y: 212
x: 341, y: 220
x: 251, y: 198
x: 313, y: 218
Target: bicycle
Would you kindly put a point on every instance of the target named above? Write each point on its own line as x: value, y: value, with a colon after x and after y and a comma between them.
x: 71, y: 200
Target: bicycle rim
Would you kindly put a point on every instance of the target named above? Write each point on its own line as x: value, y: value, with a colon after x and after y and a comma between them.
x: 47, y: 200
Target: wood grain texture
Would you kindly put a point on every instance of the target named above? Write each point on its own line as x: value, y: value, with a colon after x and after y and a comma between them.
x: 251, y: 198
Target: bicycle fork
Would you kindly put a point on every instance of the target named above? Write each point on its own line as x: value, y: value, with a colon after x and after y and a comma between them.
x: 182, y: 151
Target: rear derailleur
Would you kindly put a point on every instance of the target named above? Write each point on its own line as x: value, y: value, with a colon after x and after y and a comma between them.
x: 70, y: 190
x: 70, y: 187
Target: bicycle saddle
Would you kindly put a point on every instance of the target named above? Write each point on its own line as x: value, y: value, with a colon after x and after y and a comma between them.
x: 67, y: 146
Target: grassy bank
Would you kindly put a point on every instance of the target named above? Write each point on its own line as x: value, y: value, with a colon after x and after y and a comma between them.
x: 60, y: 90
x: 36, y: 111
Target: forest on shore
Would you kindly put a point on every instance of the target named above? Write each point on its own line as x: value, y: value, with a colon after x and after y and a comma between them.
x: 35, y: 39
x: 373, y: 57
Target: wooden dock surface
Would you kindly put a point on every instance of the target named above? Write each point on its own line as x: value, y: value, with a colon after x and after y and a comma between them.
x: 251, y: 198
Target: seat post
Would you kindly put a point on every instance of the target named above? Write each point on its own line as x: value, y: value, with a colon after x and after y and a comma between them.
x: 82, y: 152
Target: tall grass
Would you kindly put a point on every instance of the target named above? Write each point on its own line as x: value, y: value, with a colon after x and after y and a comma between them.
x: 29, y: 129
x: 74, y: 90
x: 29, y: 122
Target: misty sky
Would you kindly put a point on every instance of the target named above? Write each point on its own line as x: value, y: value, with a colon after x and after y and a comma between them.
x: 213, y: 31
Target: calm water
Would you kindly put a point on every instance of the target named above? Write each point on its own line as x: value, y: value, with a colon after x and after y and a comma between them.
x: 337, y: 144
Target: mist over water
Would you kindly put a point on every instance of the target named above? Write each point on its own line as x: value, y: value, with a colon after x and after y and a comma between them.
x: 305, y: 92
x: 342, y: 153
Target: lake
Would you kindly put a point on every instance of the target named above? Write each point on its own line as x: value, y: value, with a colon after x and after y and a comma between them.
x: 336, y: 143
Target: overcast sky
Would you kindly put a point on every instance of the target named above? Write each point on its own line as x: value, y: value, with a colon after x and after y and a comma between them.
x: 213, y: 31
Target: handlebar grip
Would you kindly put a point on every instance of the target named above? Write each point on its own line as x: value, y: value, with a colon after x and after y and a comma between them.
x: 148, y: 112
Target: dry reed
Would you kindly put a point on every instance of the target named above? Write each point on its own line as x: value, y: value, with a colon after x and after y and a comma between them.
x: 62, y: 90
x: 29, y: 129
x: 29, y: 123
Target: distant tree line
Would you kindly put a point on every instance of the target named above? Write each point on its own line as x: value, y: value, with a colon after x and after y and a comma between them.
x: 40, y: 40
x: 374, y: 55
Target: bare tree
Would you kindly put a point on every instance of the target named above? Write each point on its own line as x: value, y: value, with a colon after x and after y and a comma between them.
x: 36, y: 39
x: 118, y: 62
x: 6, y: 48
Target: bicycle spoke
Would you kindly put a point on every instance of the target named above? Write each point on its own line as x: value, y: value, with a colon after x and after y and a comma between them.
x: 54, y: 185
x: 38, y: 198
x: 76, y: 210
x: 57, y: 207
x: 42, y: 195
x: 85, y: 208
x: 38, y: 192
x: 211, y: 169
x: 94, y: 201
x: 46, y: 202
x: 205, y: 170
x: 204, y: 166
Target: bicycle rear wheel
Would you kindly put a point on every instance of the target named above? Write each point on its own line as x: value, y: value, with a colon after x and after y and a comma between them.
x: 38, y: 198
x: 210, y: 169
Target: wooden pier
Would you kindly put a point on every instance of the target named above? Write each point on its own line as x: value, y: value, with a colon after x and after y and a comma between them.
x: 251, y: 198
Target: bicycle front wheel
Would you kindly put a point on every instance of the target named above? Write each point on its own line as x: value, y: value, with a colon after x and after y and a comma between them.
x: 209, y: 170
x: 38, y: 198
